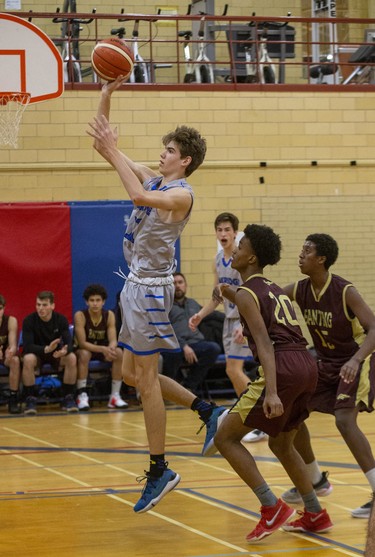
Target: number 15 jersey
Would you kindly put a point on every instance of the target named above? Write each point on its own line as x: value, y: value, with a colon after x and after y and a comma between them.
x: 335, y: 330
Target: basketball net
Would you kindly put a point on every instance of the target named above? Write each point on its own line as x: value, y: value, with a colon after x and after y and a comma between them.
x: 12, y: 107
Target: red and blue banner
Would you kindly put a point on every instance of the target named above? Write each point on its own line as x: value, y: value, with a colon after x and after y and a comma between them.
x: 61, y: 247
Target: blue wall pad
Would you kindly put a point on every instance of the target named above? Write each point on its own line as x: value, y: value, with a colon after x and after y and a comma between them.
x: 97, y: 231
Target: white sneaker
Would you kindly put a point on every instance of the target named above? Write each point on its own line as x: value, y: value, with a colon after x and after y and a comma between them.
x: 363, y: 511
x: 115, y: 401
x: 322, y: 489
x: 83, y: 402
x: 254, y: 436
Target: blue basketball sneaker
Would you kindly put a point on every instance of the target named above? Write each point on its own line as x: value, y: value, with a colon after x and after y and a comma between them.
x: 155, y: 489
x: 212, y: 426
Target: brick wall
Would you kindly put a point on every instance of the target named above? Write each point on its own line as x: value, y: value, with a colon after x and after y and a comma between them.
x: 55, y: 161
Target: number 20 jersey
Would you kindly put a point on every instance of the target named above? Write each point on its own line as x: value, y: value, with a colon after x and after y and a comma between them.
x: 278, y: 315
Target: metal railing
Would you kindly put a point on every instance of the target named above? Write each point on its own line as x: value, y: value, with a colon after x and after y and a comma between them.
x: 238, y: 52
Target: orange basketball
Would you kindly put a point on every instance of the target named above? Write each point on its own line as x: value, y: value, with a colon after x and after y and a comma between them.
x: 112, y: 57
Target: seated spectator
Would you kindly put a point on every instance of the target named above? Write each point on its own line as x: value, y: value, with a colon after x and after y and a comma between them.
x: 46, y: 339
x: 9, y: 356
x: 96, y: 338
x: 196, y: 352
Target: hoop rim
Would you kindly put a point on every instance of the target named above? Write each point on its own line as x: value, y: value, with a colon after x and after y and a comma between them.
x: 21, y: 97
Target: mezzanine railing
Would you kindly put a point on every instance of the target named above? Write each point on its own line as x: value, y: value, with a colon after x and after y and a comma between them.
x: 221, y: 51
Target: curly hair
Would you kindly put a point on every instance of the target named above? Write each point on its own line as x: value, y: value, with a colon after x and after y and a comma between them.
x: 265, y: 242
x: 190, y: 143
x: 227, y: 217
x: 95, y: 290
x: 326, y: 246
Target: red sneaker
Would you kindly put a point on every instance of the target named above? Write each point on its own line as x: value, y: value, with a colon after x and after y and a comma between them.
x: 272, y: 518
x: 310, y: 522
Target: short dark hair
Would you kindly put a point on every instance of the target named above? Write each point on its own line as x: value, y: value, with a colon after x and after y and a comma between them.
x: 95, y: 290
x: 180, y: 275
x: 46, y: 295
x: 227, y: 217
x: 190, y: 143
x: 265, y: 242
x: 2, y: 300
x: 326, y: 246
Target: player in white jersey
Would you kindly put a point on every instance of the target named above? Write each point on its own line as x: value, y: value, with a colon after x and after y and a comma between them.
x: 162, y: 205
x: 235, y: 346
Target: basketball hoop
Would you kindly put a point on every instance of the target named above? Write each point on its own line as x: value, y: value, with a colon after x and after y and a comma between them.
x: 12, y: 106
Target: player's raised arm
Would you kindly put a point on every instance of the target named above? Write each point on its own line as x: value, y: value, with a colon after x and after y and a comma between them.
x: 142, y: 172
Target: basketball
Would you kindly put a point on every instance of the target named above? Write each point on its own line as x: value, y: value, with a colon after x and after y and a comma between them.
x: 112, y: 57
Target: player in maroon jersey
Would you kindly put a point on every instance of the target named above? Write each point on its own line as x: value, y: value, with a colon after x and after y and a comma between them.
x: 277, y: 401
x: 96, y: 338
x: 342, y: 327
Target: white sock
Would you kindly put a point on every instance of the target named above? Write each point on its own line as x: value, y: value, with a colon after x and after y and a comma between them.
x: 314, y: 472
x: 370, y: 475
x: 116, y: 386
x: 81, y: 383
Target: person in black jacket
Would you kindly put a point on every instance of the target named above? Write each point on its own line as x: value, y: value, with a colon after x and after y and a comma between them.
x: 46, y: 339
x: 197, y: 354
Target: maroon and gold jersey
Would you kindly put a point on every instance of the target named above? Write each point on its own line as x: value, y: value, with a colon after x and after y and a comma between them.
x: 96, y: 334
x: 278, y: 315
x: 335, y: 331
x: 4, y: 331
x: 296, y: 369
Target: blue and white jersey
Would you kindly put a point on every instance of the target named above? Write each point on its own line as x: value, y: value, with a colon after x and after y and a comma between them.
x: 230, y: 276
x: 149, y: 243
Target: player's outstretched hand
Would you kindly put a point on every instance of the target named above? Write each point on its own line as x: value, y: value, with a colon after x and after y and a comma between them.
x: 194, y: 321
x: 111, y: 86
x: 105, y: 138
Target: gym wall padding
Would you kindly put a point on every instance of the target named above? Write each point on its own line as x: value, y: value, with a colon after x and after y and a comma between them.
x: 61, y: 247
x: 97, y: 231
x: 35, y: 254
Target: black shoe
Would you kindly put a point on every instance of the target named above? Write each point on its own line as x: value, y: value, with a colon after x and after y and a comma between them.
x: 14, y: 407
x: 69, y: 404
x: 30, y: 408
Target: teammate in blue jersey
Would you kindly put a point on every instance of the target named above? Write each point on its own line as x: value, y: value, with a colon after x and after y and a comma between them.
x: 235, y: 346
x: 342, y: 327
x: 162, y: 205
